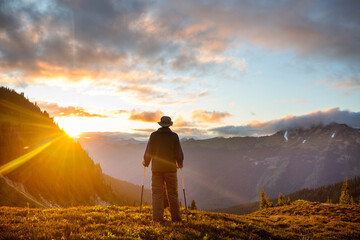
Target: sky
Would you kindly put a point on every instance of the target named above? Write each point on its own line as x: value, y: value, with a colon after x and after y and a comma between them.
x: 217, y: 68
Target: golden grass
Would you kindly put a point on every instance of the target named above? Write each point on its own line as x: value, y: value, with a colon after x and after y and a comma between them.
x: 300, y: 220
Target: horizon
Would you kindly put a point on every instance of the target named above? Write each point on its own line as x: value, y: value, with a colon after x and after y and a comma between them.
x: 251, y: 69
x: 145, y: 137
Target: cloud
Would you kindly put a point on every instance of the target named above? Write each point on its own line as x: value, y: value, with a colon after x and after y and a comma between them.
x: 41, y: 41
x: 136, y: 76
x: 71, y: 40
x: 192, y: 132
x: 144, y: 130
x: 257, y: 128
x: 183, y: 80
x: 145, y: 93
x: 180, y: 122
x: 70, y: 111
x: 205, y: 60
x: 349, y: 83
x: 146, y: 116
x: 209, y: 117
x: 325, y: 29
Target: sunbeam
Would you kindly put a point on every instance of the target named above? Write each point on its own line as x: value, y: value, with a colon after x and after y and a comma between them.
x: 12, y: 165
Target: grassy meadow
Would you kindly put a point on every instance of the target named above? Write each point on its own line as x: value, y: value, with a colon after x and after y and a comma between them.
x: 300, y: 220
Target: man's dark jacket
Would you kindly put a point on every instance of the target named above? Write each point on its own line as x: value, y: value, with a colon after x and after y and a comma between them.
x: 164, y: 150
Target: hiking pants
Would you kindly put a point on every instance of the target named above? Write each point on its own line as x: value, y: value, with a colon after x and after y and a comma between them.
x: 158, y: 179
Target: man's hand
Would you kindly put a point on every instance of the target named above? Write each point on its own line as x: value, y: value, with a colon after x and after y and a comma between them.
x: 179, y: 165
x: 144, y: 163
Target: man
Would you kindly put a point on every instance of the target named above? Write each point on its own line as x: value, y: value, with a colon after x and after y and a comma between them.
x: 165, y: 153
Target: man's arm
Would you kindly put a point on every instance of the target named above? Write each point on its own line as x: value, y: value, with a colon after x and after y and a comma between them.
x: 148, y: 153
x: 179, y: 155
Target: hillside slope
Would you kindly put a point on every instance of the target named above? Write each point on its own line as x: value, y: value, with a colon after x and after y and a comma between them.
x: 323, y: 194
x: 12, y: 196
x: 221, y: 172
x: 301, y: 220
x: 128, y: 193
x: 42, y: 165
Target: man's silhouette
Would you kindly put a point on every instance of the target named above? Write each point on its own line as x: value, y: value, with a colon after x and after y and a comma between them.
x: 165, y: 153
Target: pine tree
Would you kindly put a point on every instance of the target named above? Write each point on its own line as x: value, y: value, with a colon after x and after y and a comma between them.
x: 281, y: 200
x: 345, y: 193
x: 288, y: 201
x: 269, y: 203
x: 193, y: 205
x: 263, y: 202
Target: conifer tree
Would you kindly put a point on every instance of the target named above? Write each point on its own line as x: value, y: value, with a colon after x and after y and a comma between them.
x: 281, y: 200
x: 193, y: 205
x: 269, y: 203
x: 263, y: 202
x: 345, y: 193
x: 288, y: 201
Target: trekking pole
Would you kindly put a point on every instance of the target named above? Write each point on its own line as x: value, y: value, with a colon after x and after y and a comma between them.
x: 182, y: 180
x: 142, y: 190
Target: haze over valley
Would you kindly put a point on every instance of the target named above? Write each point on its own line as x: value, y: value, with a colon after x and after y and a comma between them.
x: 221, y: 172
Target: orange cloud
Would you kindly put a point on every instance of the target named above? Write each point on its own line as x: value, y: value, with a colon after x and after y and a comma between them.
x: 350, y: 83
x: 57, y: 111
x: 209, y: 117
x: 146, y: 116
x: 179, y: 122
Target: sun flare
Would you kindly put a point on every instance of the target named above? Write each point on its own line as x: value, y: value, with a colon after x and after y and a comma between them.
x: 73, y: 133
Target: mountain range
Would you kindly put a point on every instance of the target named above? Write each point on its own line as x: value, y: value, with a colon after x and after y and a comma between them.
x: 40, y: 165
x: 221, y: 172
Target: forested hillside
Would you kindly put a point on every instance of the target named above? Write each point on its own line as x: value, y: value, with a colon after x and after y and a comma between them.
x: 330, y: 193
x: 325, y: 194
x: 42, y: 163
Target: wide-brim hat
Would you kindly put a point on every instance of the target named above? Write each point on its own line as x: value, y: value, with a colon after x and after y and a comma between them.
x: 165, y: 121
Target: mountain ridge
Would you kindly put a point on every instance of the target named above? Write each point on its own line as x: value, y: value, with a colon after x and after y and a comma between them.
x: 219, y: 172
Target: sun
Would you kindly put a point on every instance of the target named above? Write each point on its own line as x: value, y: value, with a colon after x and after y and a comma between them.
x: 73, y: 133
x: 72, y: 126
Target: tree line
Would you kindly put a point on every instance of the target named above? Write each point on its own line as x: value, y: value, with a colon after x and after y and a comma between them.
x: 341, y: 193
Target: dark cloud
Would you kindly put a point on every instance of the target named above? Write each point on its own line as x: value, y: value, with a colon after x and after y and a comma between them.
x: 106, y: 36
x: 256, y: 128
x: 328, y: 29
x: 68, y: 35
x: 238, y: 131
x: 184, y: 61
x: 70, y: 111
